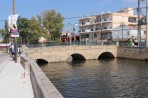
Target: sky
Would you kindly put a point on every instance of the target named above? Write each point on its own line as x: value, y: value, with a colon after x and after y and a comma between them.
x: 67, y: 8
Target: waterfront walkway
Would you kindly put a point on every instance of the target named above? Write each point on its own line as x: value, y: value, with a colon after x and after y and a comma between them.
x: 13, y: 83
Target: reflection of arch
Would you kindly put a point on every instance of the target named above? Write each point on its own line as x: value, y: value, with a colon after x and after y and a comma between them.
x: 41, y: 62
x: 77, y: 56
x: 106, y: 55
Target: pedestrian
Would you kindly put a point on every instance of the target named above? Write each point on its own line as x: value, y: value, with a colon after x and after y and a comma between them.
x: 12, y: 50
x: 19, y: 50
x: 129, y: 43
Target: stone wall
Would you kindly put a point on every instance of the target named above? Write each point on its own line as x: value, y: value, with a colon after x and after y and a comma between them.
x: 62, y: 53
x: 137, y: 53
x: 42, y: 86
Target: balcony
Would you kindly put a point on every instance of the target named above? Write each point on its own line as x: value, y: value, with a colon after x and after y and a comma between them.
x: 87, y: 23
x: 88, y: 30
x: 80, y: 31
x: 107, y: 28
x: 104, y: 27
x: 106, y: 19
x: 109, y: 19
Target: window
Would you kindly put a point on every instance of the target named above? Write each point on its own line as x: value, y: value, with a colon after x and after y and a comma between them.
x: 131, y: 19
x: 106, y: 35
x: 84, y: 36
x: 95, y: 35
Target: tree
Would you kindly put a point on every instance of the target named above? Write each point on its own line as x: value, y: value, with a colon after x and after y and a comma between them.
x: 4, y: 33
x: 23, y: 30
x: 53, y: 22
x: 48, y: 25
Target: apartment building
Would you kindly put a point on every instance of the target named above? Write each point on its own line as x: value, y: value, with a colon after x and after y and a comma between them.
x: 120, y: 25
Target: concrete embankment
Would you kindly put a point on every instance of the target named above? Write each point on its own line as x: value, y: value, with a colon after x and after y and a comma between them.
x: 42, y: 86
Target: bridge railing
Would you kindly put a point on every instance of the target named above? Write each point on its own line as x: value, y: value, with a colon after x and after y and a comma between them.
x: 71, y: 44
x: 42, y: 86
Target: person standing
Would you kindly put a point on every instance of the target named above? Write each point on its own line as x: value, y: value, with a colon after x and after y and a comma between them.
x: 12, y: 51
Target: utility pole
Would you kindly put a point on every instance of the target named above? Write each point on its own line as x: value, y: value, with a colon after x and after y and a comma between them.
x: 14, y: 38
x: 13, y: 11
x: 68, y: 33
x: 94, y: 27
x: 146, y: 23
x: 101, y: 28
x: 122, y: 25
x: 139, y: 26
x: 6, y: 35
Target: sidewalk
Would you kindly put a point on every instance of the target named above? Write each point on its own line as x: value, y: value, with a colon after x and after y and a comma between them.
x: 13, y: 84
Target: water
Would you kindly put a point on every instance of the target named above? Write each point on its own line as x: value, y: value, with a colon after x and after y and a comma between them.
x: 116, y: 78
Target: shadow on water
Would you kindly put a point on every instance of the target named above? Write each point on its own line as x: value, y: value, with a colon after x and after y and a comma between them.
x: 41, y: 62
x: 106, y: 59
x: 77, y: 62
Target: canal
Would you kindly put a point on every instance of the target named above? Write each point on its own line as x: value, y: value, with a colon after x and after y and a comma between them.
x: 110, y: 78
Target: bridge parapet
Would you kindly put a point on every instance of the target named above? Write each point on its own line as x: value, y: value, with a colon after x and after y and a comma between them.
x: 42, y: 86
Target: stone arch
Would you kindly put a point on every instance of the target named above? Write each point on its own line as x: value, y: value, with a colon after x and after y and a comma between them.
x: 77, y: 56
x: 41, y: 62
x: 106, y: 55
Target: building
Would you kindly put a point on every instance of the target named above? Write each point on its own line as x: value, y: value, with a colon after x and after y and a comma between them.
x: 69, y: 37
x: 120, y: 25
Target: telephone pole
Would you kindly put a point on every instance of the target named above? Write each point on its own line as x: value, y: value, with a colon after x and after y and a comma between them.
x: 146, y: 23
x: 14, y: 38
x: 13, y: 7
x: 139, y: 26
x: 122, y: 26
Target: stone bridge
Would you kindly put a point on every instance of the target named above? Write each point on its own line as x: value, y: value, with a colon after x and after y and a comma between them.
x: 68, y: 53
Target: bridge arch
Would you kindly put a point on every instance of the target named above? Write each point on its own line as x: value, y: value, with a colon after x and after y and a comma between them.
x: 78, y: 56
x: 106, y: 55
x: 75, y: 57
x: 41, y: 62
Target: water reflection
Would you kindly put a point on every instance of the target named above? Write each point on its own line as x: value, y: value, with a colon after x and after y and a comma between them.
x: 77, y: 62
x: 100, y: 78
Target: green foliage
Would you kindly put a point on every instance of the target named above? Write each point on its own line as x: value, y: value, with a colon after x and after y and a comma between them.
x: 48, y: 25
x: 23, y: 29
x: 53, y: 22
x: 5, y: 35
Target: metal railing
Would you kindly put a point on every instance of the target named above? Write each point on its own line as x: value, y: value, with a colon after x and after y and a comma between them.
x: 71, y: 44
